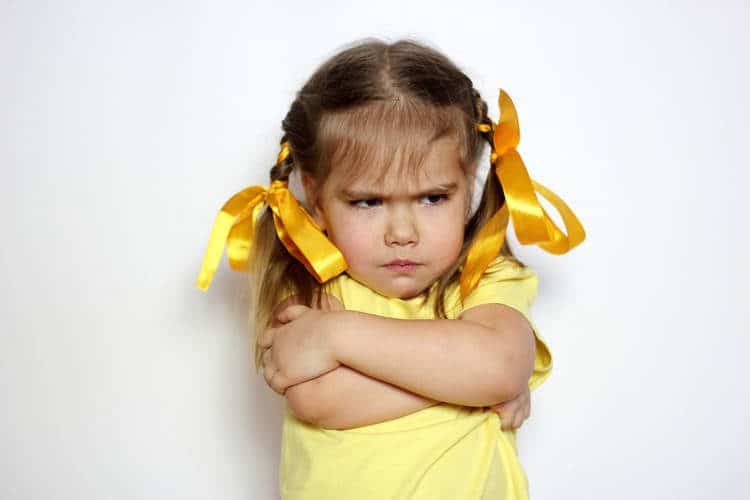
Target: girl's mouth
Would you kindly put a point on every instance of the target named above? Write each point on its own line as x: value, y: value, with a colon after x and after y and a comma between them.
x: 401, y: 265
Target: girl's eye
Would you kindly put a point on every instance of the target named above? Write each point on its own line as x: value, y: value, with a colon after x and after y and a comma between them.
x: 435, y: 199
x: 365, y: 203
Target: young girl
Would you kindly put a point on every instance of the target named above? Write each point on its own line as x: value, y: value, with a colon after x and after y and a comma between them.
x: 388, y: 308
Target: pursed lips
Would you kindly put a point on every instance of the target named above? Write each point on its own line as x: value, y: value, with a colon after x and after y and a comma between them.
x: 401, y: 265
x: 401, y: 262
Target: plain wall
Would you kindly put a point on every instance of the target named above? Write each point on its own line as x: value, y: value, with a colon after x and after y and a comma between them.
x: 126, y: 125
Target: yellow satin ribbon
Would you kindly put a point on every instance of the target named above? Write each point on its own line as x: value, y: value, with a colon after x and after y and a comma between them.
x: 530, y: 220
x: 285, y: 150
x: 298, y: 232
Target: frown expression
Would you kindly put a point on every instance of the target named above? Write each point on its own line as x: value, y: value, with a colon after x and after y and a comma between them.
x: 400, y: 235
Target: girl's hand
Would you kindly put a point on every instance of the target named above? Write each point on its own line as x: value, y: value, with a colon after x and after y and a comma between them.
x: 298, y: 350
x: 513, y: 412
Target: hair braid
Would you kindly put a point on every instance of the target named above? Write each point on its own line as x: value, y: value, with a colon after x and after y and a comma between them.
x: 493, y: 195
x: 273, y: 266
x: 480, y: 115
x: 282, y: 170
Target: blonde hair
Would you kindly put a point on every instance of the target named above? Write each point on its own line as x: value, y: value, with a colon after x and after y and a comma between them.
x: 359, y: 109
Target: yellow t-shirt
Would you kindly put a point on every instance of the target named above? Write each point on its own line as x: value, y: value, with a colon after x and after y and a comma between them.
x: 441, y: 452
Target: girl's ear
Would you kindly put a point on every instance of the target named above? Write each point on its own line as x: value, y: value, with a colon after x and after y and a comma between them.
x: 313, y: 200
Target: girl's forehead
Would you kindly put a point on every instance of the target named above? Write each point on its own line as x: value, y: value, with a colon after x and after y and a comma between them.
x: 404, y: 186
x: 438, y: 168
x: 387, y: 145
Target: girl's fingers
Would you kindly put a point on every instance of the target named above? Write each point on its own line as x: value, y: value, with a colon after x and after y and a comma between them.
x: 517, y: 420
x: 265, y: 339
x: 514, y: 412
x: 511, y: 415
x: 507, y: 420
x: 270, y: 372
x: 267, y: 358
x: 292, y: 312
x: 274, y: 385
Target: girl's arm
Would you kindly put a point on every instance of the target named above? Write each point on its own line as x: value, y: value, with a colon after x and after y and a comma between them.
x: 483, y: 358
x: 345, y: 398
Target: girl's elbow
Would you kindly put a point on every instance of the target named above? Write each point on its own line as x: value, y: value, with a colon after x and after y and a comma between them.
x: 510, y: 389
x: 514, y: 377
x: 305, y: 401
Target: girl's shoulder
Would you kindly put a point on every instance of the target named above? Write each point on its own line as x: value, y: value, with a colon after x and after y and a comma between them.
x: 506, y: 264
x: 503, y: 267
x: 509, y: 282
x: 506, y: 281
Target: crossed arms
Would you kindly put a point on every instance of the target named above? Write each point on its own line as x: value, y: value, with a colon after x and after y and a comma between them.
x: 390, y: 368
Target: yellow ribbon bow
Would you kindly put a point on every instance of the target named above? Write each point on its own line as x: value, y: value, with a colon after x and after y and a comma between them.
x: 298, y: 232
x: 530, y: 220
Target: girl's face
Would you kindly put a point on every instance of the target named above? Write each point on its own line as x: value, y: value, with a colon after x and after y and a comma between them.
x: 400, y: 235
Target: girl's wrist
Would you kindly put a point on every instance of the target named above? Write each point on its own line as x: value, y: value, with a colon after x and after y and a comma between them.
x: 336, y: 324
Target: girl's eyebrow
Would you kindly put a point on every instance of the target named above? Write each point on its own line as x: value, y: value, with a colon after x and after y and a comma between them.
x: 365, y: 194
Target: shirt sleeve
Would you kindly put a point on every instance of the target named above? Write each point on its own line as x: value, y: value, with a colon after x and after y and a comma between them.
x: 507, y: 282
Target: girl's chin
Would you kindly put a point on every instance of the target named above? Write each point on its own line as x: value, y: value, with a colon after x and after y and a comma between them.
x: 392, y: 290
x: 402, y: 293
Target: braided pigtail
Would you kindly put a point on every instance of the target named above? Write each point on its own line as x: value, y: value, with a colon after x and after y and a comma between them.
x: 491, y: 200
x: 274, y: 272
x: 493, y: 196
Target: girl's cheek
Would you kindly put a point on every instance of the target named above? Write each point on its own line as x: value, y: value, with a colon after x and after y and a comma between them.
x: 353, y: 234
x: 357, y: 236
x: 347, y: 223
x: 356, y: 251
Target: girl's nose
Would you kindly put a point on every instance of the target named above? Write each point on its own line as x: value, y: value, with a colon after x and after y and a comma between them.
x: 401, y: 228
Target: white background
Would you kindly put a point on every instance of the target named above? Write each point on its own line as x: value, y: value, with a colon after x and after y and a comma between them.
x: 126, y: 125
